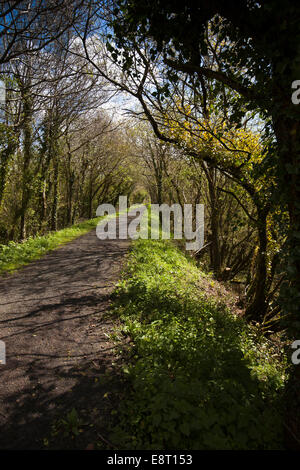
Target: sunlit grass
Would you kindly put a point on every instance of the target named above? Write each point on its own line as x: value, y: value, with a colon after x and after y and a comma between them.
x: 200, y: 377
x: 15, y: 255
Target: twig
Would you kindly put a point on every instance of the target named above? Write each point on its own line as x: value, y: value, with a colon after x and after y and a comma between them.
x: 106, y: 441
x: 291, y: 432
x: 203, y: 248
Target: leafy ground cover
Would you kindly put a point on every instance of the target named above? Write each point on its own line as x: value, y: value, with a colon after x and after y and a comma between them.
x: 198, y: 376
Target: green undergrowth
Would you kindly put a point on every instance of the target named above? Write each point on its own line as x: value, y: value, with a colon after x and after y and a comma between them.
x: 199, y: 377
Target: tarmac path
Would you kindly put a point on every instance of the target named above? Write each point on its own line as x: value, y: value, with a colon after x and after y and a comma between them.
x: 59, y: 354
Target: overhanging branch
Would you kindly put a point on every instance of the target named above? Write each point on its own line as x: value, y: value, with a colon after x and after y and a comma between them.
x: 209, y: 73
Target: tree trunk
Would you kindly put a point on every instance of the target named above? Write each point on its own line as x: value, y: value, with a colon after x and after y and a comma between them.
x: 288, y: 137
x: 215, y: 256
x: 5, y: 157
x: 256, y: 295
x: 27, y: 153
x: 53, y: 221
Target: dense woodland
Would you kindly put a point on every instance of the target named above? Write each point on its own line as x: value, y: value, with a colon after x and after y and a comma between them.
x: 165, y: 102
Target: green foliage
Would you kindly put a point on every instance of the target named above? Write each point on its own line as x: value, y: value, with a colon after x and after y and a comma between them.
x: 200, y: 377
x: 68, y: 426
x: 256, y: 47
x: 139, y: 196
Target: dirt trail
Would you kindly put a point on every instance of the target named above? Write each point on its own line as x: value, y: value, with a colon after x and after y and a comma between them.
x: 58, y: 352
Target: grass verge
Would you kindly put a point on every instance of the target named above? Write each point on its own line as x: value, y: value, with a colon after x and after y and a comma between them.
x: 15, y: 255
x: 199, y: 377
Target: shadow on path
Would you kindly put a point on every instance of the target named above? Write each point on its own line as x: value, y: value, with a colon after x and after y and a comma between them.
x: 59, y: 354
